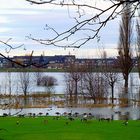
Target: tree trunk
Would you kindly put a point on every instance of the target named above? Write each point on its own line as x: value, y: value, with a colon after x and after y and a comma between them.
x: 126, y: 90
x: 25, y: 101
x: 126, y: 82
x: 112, y: 92
x: 75, y: 94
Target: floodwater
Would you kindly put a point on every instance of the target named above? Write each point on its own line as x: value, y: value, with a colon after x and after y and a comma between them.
x: 116, y: 113
x: 13, y: 79
x: 132, y: 113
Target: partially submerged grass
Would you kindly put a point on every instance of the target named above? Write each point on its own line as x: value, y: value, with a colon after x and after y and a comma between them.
x: 44, y: 100
x: 46, y: 128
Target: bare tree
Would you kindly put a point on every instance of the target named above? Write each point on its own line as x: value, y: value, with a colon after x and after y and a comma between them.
x: 25, y: 84
x: 87, y: 83
x: 87, y: 26
x: 49, y: 82
x: 69, y: 88
x: 96, y: 83
x: 111, y: 75
x: 112, y: 78
x: 38, y: 76
x: 125, y: 61
x: 95, y: 87
x: 73, y: 77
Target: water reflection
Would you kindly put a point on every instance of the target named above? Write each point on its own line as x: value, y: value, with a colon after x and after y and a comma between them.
x: 60, y: 88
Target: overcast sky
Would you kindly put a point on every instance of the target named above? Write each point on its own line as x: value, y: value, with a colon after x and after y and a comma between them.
x: 19, y: 19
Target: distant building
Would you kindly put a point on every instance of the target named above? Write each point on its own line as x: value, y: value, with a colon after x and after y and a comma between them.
x: 50, y: 62
x: 57, y: 62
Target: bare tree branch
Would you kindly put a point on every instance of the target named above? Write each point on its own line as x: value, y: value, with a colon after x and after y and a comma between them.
x: 92, y: 25
x: 31, y: 63
x: 10, y: 47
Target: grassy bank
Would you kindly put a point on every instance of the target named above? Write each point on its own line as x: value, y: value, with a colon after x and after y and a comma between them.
x: 50, y: 129
x: 29, y: 70
x: 52, y: 70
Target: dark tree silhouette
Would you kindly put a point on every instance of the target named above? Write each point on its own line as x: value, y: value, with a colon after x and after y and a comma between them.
x: 138, y: 42
x: 49, y: 82
x: 125, y: 45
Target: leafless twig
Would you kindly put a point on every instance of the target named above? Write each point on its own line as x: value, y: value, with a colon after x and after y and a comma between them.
x: 91, y: 25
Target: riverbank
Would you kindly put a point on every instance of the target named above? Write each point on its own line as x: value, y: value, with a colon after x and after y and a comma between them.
x: 52, y: 70
x: 44, y: 128
x: 30, y: 70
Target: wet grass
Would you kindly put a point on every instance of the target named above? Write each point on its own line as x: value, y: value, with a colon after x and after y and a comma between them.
x: 46, y: 128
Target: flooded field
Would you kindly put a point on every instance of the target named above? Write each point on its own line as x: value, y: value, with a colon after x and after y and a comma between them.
x: 12, y: 101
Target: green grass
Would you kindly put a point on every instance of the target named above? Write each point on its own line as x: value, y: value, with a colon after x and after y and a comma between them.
x: 36, y: 129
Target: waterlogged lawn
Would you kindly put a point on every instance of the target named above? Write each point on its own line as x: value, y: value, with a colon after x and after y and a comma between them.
x: 38, y: 129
